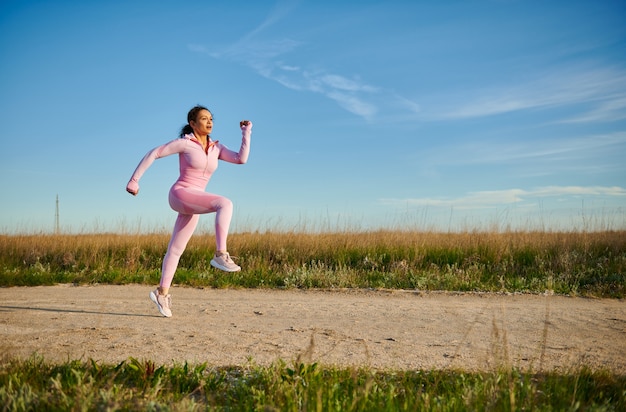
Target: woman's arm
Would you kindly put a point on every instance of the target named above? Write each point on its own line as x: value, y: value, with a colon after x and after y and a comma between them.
x: 241, y: 156
x: 175, y: 146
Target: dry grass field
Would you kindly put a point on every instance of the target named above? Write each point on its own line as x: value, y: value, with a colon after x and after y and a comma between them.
x: 572, y: 263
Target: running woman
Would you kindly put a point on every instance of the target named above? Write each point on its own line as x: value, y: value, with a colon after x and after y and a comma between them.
x: 198, y: 157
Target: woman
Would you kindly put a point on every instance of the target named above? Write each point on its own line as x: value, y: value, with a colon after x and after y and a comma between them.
x: 198, y: 156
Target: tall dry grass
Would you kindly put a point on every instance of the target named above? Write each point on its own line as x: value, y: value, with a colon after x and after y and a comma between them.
x: 577, y: 263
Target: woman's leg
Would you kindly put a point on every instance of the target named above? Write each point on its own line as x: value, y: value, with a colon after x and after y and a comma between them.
x: 223, y: 216
x: 183, y: 229
x: 199, y: 202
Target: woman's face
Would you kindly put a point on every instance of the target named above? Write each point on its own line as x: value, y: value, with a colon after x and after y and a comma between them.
x: 203, y: 125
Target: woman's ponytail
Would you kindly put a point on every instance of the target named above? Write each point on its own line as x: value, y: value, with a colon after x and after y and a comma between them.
x: 186, y: 130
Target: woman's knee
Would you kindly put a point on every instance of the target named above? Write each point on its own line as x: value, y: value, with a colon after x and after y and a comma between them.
x: 223, y: 203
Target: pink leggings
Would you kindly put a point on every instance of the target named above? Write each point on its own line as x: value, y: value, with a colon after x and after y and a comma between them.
x: 190, y: 203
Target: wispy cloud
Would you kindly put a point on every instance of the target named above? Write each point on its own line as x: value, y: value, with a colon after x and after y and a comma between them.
x: 568, y: 149
x: 594, y: 153
x: 500, y: 198
x: 595, y: 94
x: 352, y: 94
x: 610, y: 110
x: 267, y: 58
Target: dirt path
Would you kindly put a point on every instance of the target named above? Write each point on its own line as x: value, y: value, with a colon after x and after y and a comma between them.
x: 378, y: 329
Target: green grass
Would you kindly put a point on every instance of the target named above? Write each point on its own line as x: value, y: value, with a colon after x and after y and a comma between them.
x: 584, y: 264
x: 34, y: 384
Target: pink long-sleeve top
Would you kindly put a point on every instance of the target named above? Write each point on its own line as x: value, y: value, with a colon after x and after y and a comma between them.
x: 196, y: 165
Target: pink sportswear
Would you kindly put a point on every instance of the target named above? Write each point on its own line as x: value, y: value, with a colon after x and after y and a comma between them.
x: 187, y: 195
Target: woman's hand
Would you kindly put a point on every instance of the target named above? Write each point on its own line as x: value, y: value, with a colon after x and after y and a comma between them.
x: 245, y: 125
x: 132, y: 187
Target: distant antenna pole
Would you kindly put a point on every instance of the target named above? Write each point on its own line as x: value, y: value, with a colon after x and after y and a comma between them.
x: 57, y: 228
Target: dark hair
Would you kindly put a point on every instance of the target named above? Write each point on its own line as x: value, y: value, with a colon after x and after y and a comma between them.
x: 192, y: 115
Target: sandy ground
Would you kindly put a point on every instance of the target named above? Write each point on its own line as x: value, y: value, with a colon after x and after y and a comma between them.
x: 375, y: 329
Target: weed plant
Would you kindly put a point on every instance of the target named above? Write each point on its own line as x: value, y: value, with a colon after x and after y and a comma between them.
x: 34, y: 384
x: 574, y: 263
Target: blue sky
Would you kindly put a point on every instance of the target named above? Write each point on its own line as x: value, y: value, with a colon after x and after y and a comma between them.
x: 447, y: 115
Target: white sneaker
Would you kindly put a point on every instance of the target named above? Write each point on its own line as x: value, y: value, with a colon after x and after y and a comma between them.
x: 225, y: 263
x: 164, y: 303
